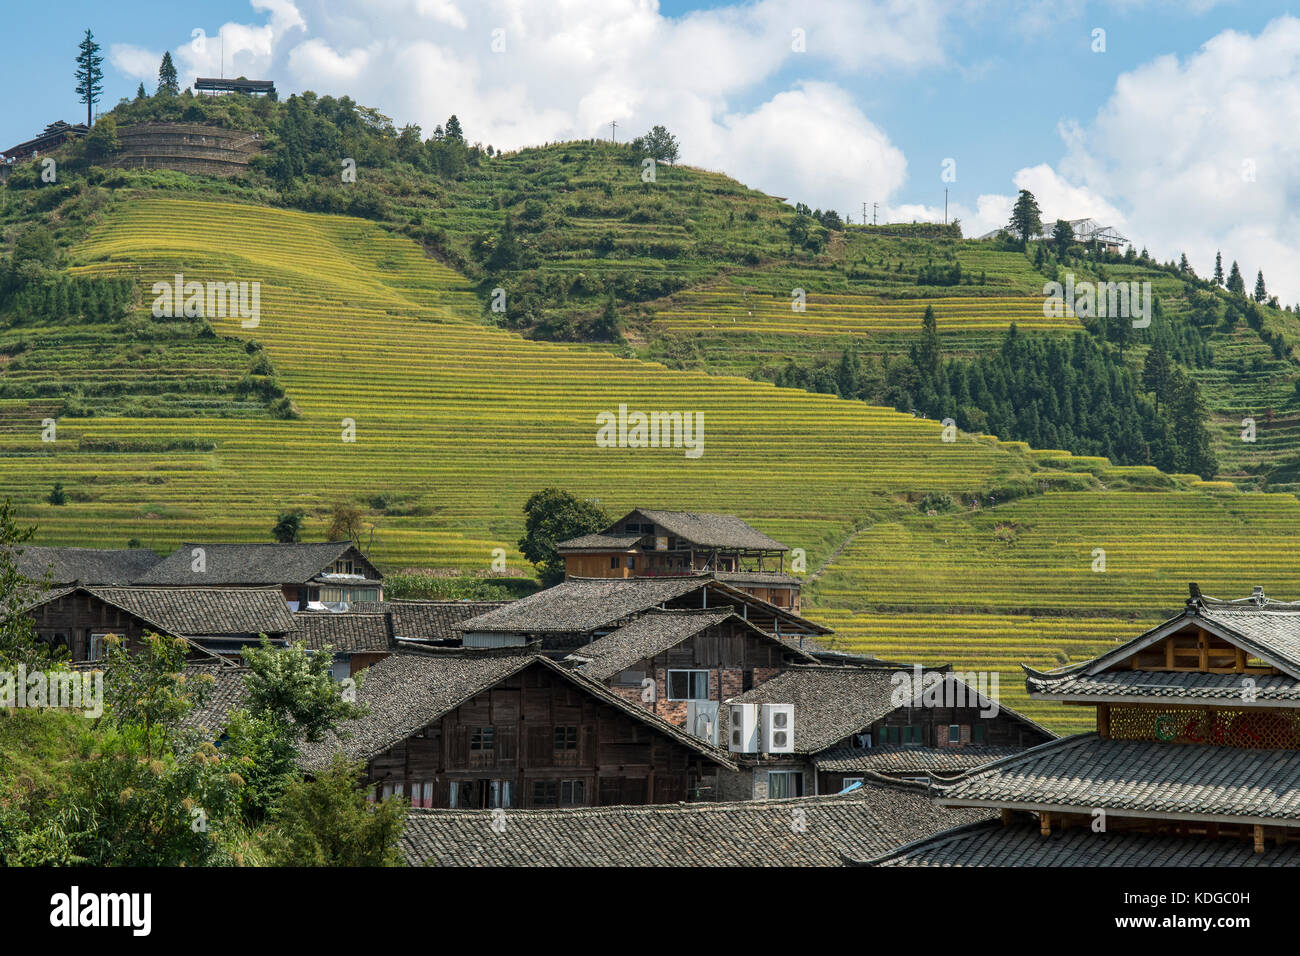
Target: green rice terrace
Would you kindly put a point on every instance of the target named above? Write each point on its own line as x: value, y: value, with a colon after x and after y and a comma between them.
x: 977, y: 552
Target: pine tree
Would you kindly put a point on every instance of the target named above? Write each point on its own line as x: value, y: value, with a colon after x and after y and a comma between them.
x: 453, y: 129
x: 1261, y: 294
x: 1184, y: 266
x: 1236, y: 284
x: 167, y: 83
x: 140, y: 93
x: 1156, y: 371
x: 1026, y: 217
x: 1218, y: 268
x: 90, y: 78
x: 926, y: 354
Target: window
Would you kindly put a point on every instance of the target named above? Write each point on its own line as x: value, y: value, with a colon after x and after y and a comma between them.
x: 545, y: 793
x: 850, y: 781
x: 688, y: 685
x: 631, y: 678
x: 954, y: 733
x: 422, y: 794
x: 613, y: 561
x: 862, y: 741
x: 784, y: 783
x: 571, y: 793
x: 912, y: 734
x: 96, y: 646
x: 481, y: 738
x: 392, y: 790
x: 501, y: 793
x: 566, y: 738
x: 631, y: 562
x: 979, y: 734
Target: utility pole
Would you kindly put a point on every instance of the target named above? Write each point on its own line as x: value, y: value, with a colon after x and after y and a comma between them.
x: 612, y: 126
x: 864, y: 214
x: 873, y: 213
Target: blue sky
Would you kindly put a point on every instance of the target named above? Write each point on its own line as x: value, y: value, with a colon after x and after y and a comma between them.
x: 895, y: 87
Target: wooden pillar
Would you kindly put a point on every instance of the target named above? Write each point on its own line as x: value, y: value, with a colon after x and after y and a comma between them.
x: 1103, y: 720
x: 1006, y: 816
x: 1259, y: 838
x: 1045, y: 824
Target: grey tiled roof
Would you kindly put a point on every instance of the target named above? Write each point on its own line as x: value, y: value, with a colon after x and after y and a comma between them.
x: 710, y: 530
x: 84, y: 565
x: 600, y: 542
x: 990, y: 843
x: 905, y: 758
x: 411, y: 688
x: 864, y: 823
x: 1138, y: 778
x: 580, y: 605
x: 344, y: 631
x: 246, y: 564
x: 758, y: 578
x: 204, y: 612
x: 655, y: 632
x: 1175, y: 685
x: 228, y: 691
x: 427, y: 620
x: 830, y: 703
x: 584, y: 604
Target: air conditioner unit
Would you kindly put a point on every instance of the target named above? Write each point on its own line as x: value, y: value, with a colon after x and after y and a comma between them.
x: 778, y: 728
x: 742, y: 728
x: 702, y: 719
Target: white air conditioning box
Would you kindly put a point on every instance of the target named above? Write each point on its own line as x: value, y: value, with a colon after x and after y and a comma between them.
x: 702, y: 720
x: 778, y: 728
x: 742, y: 728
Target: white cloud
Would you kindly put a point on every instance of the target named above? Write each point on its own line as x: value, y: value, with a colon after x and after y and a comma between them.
x: 136, y: 62
x: 1177, y: 143
x: 569, y: 68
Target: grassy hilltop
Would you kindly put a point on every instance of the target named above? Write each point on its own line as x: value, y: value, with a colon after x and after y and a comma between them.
x: 980, y: 552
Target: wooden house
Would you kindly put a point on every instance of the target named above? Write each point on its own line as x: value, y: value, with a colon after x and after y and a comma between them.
x: 855, y: 723
x: 1195, y: 758
x: 678, y: 663
x: 216, y: 619
x: 484, y: 729
x: 328, y: 573
x: 648, y: 543
x: 578, y: 611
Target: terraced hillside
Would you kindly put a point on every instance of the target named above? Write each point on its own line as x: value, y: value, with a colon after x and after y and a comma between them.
x: 457, y: 423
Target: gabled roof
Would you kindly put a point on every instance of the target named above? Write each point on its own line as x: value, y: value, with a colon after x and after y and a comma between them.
x: 910, y: 758
x: 246, y: 564
x: 582, y: 605
x: 1263, y: 628
x: 863, y: 823
x: 708, y: 530
x: 655, y: 632
x: 203, y: 612
x: 427, y: 620
x: 1138, y: 778
x: 410, y: 689
x: 345, y: 632
x: 989, y: 843
x: 84, y: 565
x: 832, y: 702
